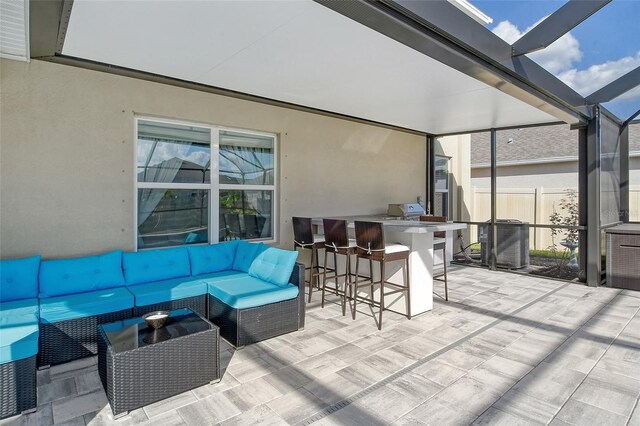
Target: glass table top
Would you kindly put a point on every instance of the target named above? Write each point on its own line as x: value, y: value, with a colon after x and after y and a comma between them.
x: 133, y: 333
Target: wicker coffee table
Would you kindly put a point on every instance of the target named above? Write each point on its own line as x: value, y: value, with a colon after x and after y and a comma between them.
x: 138, y: 366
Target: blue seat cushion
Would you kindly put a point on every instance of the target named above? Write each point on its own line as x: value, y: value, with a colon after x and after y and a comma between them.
x: 212, y: 258
x: 246, y: 254
x: 167, y: 290
x: 156, y: 265
x: 81, y: 305
x: 221, y: 276
x: 19, y: 278
x: 18, y: 330
x: 244, y: 291
x: 81, y: 274
x: 274, y: 265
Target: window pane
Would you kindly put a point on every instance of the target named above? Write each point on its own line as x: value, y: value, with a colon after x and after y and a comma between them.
x: 442, y: 173
x: 246, y: 215
x: 171, y: 217
x: 173, y: 153
x: 246, y: 159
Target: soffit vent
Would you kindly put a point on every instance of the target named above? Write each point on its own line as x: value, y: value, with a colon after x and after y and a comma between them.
x: 14, y: 29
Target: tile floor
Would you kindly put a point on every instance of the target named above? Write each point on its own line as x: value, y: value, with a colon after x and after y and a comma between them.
x: 506, y: 349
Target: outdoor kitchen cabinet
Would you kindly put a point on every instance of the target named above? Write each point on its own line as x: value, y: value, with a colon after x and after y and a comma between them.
x: 623, y: 256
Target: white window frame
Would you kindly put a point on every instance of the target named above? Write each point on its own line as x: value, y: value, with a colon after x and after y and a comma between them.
x: 214, y: 186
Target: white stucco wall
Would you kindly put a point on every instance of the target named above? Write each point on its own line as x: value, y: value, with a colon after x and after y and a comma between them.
x: 67, y: 184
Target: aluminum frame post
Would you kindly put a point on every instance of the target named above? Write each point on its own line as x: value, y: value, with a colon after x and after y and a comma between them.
x: 583, y: 207
x: 493, y: 264
x: 593, y: 266
x: 431, y: 174
x: 624, y: 174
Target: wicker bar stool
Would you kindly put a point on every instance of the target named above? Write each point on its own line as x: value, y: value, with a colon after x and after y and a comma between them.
x: 304, y: 238
x: 337, y: 241
x: 440, y: 243
x: 371, y: 247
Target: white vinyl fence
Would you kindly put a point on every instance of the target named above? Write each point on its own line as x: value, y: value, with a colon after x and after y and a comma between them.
x: 533, y: 205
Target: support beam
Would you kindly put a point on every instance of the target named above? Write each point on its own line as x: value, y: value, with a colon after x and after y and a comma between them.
x: 583, y: 203
x: 441, y: 31
x: 493, y: 264
x: 592, y: 196
x: 616, y: 88
x: 556, y: 25
x: 431, y: 174
x: 624, y: 174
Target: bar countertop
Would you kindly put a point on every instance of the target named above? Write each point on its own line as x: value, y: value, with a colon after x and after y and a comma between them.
x: 398, y: 225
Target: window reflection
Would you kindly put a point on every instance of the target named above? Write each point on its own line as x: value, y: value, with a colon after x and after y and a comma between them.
x: 246, y: 159
x: 173, y: 153
x: 169, y: 217
x: 245, y: 215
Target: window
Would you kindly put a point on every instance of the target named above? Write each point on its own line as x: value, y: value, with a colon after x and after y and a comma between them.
x: 199, y: 184
x: 441, y: 202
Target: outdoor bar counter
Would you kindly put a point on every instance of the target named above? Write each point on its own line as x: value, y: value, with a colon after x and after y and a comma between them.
x: 418, y: 236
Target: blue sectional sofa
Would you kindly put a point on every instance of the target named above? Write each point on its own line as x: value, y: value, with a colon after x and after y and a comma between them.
x: 255, y: 292
x: 75, y: 296
x: 18, y: 335
x: 50, y: 310
x: 251, y: 291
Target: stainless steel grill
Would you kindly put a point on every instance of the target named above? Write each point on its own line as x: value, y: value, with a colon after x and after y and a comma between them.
x: 405, y: 211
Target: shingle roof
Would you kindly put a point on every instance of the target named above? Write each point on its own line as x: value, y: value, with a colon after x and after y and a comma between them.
x: 536, y: 144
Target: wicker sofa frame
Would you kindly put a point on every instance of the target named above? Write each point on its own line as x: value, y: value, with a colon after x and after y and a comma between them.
x: 241, y: 327
x: 18, y: 392
x: 197, y: 304
x: 65, y: 341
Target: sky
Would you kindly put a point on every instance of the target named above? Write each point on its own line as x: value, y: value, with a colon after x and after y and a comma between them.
x: 596, y: 52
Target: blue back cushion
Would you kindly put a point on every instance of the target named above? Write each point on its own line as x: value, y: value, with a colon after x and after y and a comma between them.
x: 70, y: 276
x: 156, y: 265
x: 274, y: 265
x: 19, y: 278
x: 212, y: 258
x: 246, y: 254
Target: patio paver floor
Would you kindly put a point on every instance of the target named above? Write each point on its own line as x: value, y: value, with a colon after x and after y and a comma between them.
x: 506, y: 349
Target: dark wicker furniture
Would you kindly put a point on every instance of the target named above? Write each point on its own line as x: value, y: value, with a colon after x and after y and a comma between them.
x: 72, y: 339
x: 197, y: 304
x: 304, y: 238
x: 440, y: 243
x: 372, y: 248
x: 241, y: 327
x: 623, y: 256
x: 18, y: 387
x: 139, y: 366
x: 337, y: 242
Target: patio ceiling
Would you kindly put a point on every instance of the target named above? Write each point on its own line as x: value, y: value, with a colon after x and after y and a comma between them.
x: 297, y: 52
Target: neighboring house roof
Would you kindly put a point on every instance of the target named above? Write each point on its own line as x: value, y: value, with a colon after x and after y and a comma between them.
x: 536, y: 145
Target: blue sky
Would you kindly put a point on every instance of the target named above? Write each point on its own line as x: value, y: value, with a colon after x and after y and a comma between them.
x: 600, y: 49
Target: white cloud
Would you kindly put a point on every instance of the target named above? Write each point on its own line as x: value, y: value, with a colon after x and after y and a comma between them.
x: 559, y: 59
x: 507, y: 31
x: 595, y: 77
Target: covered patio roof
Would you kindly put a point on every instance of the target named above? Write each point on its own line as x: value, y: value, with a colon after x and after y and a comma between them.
x: 336, y: 57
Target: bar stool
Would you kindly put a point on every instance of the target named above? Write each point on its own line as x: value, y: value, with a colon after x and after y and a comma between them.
x: 304, y: 238
x: 371, y: 247
x: 440, y: 243
x: 337, y: 242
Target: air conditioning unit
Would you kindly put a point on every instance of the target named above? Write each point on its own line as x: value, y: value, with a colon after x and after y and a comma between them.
x: 512, y: 243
